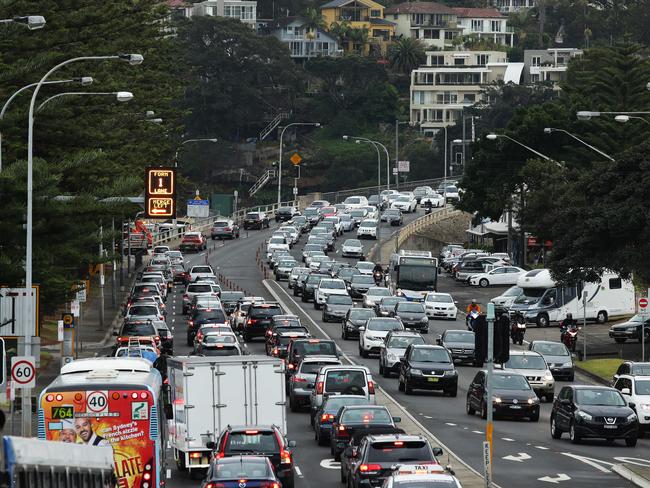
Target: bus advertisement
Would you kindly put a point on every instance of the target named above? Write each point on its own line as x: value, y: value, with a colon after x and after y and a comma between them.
x: 414, y: 276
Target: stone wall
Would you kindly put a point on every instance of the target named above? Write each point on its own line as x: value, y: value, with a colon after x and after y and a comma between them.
x: 450, y: 230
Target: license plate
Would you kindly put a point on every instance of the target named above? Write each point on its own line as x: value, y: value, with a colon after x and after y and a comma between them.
x: 515, y: 407
x: 611, y: 426
x: 432, y: 380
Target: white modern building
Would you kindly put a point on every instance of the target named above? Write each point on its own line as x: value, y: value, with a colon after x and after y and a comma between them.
x: 302, y: 43
x: 453, y: 80
x: 485, y: 23
x: 548, y: 65
x: 507, y: 6
x: 242, y: 10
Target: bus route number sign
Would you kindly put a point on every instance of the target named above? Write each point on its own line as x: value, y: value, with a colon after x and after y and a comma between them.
x: 160, y: 194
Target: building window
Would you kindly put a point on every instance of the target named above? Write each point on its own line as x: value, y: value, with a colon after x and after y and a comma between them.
x: 431, y: 34
x: 536, y: 61
x: 534, y: 78
x: 477, y: 25
x: 419, y: 97
x: 375, y: 13
x: 417, y: 19
x: 459, y: 61
x: 436, y: 60
x: 496, y: 26
x: 469, y: 98
x: 449, y: 35
x: 209, y: 10
x: 447, y: 98
x: 482, y: 59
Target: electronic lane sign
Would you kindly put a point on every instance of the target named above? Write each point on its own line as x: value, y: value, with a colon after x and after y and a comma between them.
x: 160, y: 195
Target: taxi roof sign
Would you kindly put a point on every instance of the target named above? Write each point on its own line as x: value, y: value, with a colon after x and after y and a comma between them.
x: 403, y: 469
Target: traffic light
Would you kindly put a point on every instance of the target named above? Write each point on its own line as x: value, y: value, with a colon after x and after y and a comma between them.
x: 501, y: 339
x: 296, y: 171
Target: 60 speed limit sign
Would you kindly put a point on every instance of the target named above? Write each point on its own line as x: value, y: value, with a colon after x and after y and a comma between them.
x: 23, y: 372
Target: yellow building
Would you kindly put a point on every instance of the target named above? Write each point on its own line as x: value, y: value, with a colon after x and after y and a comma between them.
x: 360, y: 16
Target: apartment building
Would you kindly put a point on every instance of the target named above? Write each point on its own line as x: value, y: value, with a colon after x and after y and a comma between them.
x: 453, y: 80
x: 485, y: 23
x: 507, y: 6
x: 301, y: 42
x: 242, y: 10
x: 548, y: 65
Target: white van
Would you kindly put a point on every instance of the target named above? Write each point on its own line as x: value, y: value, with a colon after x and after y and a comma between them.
x: 544, y: 302
x: 355, y: 202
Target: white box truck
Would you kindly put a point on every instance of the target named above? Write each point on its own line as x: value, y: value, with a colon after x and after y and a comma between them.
x: 545, y: 302
x: 210, y: 393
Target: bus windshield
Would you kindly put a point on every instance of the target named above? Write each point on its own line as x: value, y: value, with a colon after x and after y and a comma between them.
x: 417, y: 277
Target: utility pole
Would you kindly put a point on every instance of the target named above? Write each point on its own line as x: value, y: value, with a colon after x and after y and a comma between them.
x: 584, y: 329
x: 489, y: 428
x: 114, y: 271
x: 101, y: 277
x: 396, y: 154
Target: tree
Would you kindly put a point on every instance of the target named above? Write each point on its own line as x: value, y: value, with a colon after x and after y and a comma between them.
x: 406, y: 54
x: 313, y: 23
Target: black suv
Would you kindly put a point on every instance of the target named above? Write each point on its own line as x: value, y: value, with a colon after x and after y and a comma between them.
x: 256, y: 220
x: 460, y: 343
x: 300, y: 348
x: 513, y: 396
x: 259, y: 318
x: 284, y: 214
x: 279, y: 345
x: 412, y: 315
x: 355, y: 318
x: 426, y: 367
x: 377, y: 455
x: 229, y: 300
x: 312, y: 282
x: 262, y: 440
x: 586, y: 411
x: 203, y: 316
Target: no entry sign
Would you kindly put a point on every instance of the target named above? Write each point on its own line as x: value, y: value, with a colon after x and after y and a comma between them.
x: 643, y: 303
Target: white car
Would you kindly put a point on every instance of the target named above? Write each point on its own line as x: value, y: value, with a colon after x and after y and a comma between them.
x: 636, y: 389
x: 347, y: 223
x: 352, y: 248
x: 314, y: 262
x: 451, y: 193
x: 312, y: 254
x: 176, y: 257
x: 292, y: 231
x: 319, y: 203
x: 199, y: 272
x: 373, y: 335
x: 405, y: 203
x: 440, y: 306
x: 336, y: 222
x: 436, y: 199
x: 365, y: 268
x: 328, y: 287
x: 355, y: 202
x: 504, y: 275
x: 373, y: 213
x: 508, y: 297
x: 276, y: 243
x: 374, y: 295
x: 367, y: 228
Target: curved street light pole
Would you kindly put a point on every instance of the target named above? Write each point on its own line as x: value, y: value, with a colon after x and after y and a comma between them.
x: 550, y: 130
x: 121, y: 96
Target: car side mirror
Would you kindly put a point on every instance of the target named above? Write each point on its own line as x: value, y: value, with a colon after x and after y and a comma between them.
x: 626, y: 391
x: 439, y: 340
x: 115, y: 334
x: 210, y: 445
x: 631, y: 405
x: 292, y: 443
x: 565, y: 401
x: 397, y: 420
x: 437, y: 451
x: 402, y: 360
x: 361, y: 329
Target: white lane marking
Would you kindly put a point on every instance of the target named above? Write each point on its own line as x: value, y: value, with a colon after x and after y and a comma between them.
x: 477, y: 432
x: 507, y: 439
x: 520, y: 457
x: 595, y: 463
x: 557, y: 479
x: 450, y: 424
x: 637, y: 461
x: 330, y: 464
x: 542, y: 448
x: 298, y: 472
x: 427, y: 417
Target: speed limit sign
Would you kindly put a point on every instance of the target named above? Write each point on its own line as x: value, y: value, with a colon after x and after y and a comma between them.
x: 97, y: 402
x: 23, y: 371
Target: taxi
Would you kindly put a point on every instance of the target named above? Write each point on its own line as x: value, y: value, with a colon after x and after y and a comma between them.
x: 421, y: 476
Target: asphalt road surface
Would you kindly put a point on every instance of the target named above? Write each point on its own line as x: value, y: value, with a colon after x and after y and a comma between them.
x: 524, y: 454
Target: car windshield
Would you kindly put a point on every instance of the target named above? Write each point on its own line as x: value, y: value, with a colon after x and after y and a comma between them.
x: 311, y: 212
x: 466, y: 337
x: 526, y: 361
x: 384, y: 324
x: 276, y: 240
x: 451, y: 189
x: 252, y: 216
x: 641, y: 369
x: 332, y: 284
x: 199, y: 288
x: 642, y: 387
x: 368, y: 223
x: 365, y: 265
x: 366, y: 416
x: 403, y: 199
x: 143, y: 310
x: 252, y: 441
x: 313, y: 367
x: 410, y: 307
x: 202, y: 269
x: 352, y: 200
x: 138, y: 329
x: 358, y: 213
x: 392, y: 212
x: 312, y: 247
x: 231, y: 296
x: 530, y: 295
x: 598, y: 397
x: 334, y: 403
x: 402, y: 342
x: 399, y: 451
x: 284, y: 340
x: 313, y: 279
x: 241, y: 468
x: 510, y: 382
x: 287, y: 263
x: 341, y: 380
x: 363, y: 280
x: 219, y: 339
x: 513, y: 291
x: 362, y: 314
x: 378, y: 292
x: 221, y: 223
x: 213, y: 315
x: 430, y: 355
x: 352, y: 243
x: 551, y: 349
x: 390, y: 301
x: 439, y: 298
x: 263, y: 312
x: 315, y: 347
x: 339, y: 300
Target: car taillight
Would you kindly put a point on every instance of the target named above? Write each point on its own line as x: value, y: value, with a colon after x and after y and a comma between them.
x: 298, y: 379
x: 186, y: 296
x: 285, y: 457
x: 227, y: 229
x: 275, y: 351
x: 371, y: 387
x: 326, y: 416
x: 157, y: 339
x: 319, y: 388
x: 269, y: 484
x: 369, y: 468
x: 250, y: 322
x: 190, y: 322
x: 291, y: 366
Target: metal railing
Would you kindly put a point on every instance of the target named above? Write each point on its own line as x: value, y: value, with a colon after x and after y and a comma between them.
x: 269, y: 209
x: 338, y: 196
x: 422, y: 222
x: 261, y: 181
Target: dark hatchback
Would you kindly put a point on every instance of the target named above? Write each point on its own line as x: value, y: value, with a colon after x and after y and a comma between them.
x: 630, y: 329
x: 513, y: 396
x: 386, y: 306
x: 350, y: 453
x: 352, y: 419
x: 256, y: 220
x: 301, y: 348
x: 201, y: 317
x: 426, y: 367
x: 355, y: 318
x: 359, y: 285
x: 326, y: 414
x: 229, y: 300
x: 284, y: 214
x: 258, y: 319
x: 284, y: 338
x: 594, y: 412
x: 413, y: 316
x: 313, y: 280
x: 459, y: 343
x: 336, y: 308
x: 232, y: 472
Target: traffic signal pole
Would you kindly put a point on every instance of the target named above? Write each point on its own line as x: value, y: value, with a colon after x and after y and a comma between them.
x: 489, y: 428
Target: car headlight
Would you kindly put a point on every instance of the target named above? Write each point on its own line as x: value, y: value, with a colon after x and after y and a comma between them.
x: 391, y: 356
x: 424, y: 319
x: 416, y: 372
x: 568, y: 365
x: 450, y: 373
x: 533, y: 400
x: 586, y: 416
x: 645, y: 406
x: 548, y: 376
x: 631, y: 329
x: 496, y: 399
x: 631, y: 417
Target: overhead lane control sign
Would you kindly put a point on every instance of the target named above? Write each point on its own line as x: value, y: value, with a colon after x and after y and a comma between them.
x: 160, y: 195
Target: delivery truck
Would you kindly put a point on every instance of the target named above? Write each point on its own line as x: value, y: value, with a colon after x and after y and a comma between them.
x: 210, y: 393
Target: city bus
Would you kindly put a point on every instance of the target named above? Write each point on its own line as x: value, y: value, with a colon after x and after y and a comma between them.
x: 116, y: 402
x: 30, y: 463
x: 413, y: 274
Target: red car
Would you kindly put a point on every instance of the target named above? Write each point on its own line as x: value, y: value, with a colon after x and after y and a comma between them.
x: 328, y: 211
x: 193, y: 241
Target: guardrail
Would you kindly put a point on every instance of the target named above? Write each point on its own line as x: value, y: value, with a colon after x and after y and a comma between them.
x: 422, y: 222
x: 338, y: 196
x: 269, y: 209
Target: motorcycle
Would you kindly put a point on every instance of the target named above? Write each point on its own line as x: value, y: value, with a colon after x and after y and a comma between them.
x: 379, y: 278
x: 569, y: 336
x: 518, y: 329
x: 428, y: 208
x: 469, y: 320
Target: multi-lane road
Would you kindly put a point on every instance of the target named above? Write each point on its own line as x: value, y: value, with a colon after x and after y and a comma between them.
x: 524, y: 453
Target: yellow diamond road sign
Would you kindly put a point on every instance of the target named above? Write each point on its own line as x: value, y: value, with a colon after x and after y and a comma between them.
x: 296, y: 159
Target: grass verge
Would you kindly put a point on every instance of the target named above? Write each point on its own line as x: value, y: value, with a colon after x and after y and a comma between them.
x: 605, y: 368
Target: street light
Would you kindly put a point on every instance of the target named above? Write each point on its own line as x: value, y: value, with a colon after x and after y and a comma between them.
x: 120, y: 96
x: 313, y: 124
x: 550, y: 130
x: 494, y: 137
x: 32, y: 22
x: 83, y: 81
x: 132, y: 59
x: 210, y: 139
x: 626, y: 118
x: 376, y: 143
x: 588, y: 114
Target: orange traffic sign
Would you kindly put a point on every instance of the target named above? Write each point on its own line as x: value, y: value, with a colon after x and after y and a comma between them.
x: 295, y: 159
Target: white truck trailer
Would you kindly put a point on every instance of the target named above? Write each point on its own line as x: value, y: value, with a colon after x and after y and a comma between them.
x: 210, y: 393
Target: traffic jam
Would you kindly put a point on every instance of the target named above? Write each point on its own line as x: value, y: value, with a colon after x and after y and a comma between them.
x: 213, y: 397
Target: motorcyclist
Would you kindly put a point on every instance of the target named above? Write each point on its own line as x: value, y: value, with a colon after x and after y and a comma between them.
x: 377, y: 269
x: 567, y: 323
x: 378, y: 273
x: 428, y: 206
x: 474, y: 306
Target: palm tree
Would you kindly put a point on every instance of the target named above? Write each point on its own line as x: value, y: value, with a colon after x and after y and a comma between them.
x: 313, y: 22
x: 406, y: 54
x: 340, y: 30
x: 358, y: 36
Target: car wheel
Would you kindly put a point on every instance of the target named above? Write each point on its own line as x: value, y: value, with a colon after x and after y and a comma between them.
x: 362, y: 352
x: 190, y: 341
x: 535, y: 417
x: 247, y: 338
x: 556, y: 433
x: 542, y: 320
x: 469, y: 409
x: 316, y: 305
x: 573, y: 434
x: 303, y: 299
x: 483, y: 410
x: 622, y: 340
x: 453, y: 392
x: 601, y: 318
x: 344, y: 334
x: 407, y: 388
x: 323, y: 318
x: 571, y: 377
x: 484, y: 283
x: 288, y: 482
x: 381, y: 368
x: 549, y: 397
x: 292, y: 404
x: 400, y: 385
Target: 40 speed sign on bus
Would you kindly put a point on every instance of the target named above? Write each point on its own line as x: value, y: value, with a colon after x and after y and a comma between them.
x: 23, y: 372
